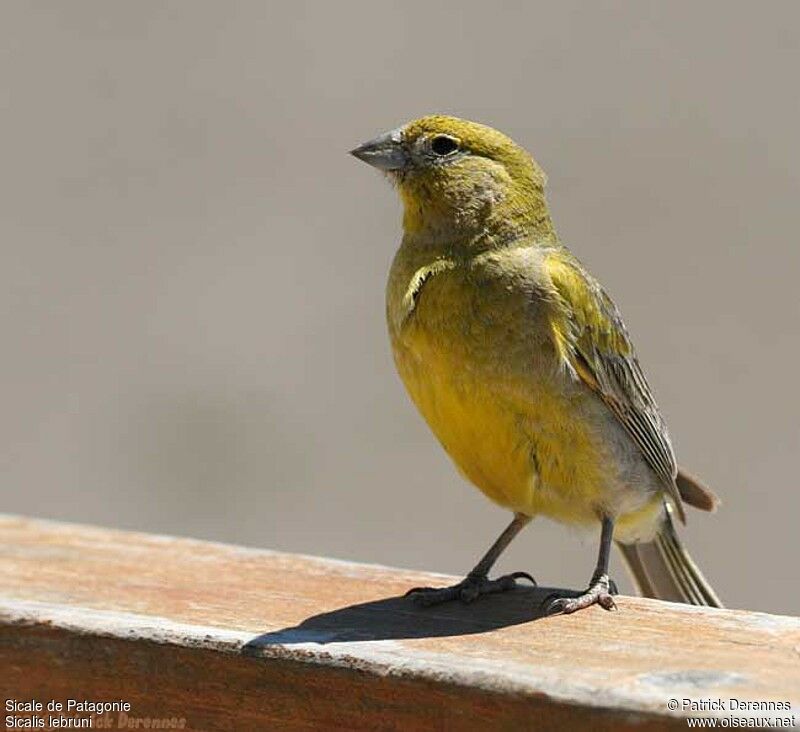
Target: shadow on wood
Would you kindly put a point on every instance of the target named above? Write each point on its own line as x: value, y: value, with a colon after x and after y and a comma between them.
x: 398, y: 617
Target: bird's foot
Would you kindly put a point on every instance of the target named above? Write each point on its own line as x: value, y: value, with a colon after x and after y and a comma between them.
x: 469, y: 589
x: 600, y: 592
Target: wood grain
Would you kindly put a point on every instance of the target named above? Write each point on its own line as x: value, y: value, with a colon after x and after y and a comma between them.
x: 226, y: 638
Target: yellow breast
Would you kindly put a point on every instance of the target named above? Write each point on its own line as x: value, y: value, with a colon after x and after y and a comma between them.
x: 496, y: 401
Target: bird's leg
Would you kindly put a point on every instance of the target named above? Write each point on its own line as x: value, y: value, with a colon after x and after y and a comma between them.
x: 600, y: 589
x: 477, y: 582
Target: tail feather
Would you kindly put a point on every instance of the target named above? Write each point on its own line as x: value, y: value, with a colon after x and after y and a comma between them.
x: 663, y: 569
x: 695, y: 493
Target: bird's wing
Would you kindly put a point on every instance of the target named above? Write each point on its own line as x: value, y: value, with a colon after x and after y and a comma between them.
x: 592, y: 339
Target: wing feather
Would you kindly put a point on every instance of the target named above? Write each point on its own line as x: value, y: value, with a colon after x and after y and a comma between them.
x: 592, y: 337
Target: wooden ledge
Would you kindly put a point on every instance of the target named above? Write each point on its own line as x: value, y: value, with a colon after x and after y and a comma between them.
x: 206, y: 636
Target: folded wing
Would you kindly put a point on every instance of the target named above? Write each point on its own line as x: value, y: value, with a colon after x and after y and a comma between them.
x: 594, y: 343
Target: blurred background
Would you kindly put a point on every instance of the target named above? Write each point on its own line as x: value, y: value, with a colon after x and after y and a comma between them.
x: 193, y: 267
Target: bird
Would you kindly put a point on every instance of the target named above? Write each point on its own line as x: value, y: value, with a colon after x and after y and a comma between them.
x: 523, y: 368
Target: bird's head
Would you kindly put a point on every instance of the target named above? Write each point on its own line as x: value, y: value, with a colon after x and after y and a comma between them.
x: 460, y: 178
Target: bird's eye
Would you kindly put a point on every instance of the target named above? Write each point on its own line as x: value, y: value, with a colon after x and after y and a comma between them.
x: 442, y: 145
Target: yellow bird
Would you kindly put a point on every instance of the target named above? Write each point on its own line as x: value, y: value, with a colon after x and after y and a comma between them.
x: 520, y: 363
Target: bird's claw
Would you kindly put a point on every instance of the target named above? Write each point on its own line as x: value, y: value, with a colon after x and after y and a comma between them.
x: 600, y: 592
x: 468, y: 590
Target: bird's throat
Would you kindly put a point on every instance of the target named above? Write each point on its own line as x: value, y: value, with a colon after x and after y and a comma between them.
x: 482, y: 219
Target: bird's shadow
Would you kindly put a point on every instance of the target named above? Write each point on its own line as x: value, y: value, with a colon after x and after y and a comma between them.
x: 400, y: 617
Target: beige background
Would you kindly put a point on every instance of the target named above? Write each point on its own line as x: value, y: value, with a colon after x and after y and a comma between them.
x: 193, y: 267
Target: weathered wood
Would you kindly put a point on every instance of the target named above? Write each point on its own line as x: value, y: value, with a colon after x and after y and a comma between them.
x: 226, y: 638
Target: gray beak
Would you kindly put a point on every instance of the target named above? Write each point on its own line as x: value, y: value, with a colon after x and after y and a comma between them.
x: 385, y: 152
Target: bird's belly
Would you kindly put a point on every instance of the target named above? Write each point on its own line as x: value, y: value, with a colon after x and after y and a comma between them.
x: 522, y: 438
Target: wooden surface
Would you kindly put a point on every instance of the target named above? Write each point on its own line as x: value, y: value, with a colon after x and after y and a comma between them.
x: 206, y: 636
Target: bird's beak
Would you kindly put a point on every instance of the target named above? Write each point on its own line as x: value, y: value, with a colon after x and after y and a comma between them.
x: 385, y: 152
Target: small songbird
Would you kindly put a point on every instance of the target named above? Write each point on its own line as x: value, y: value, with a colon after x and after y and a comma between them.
x: 521, y: 365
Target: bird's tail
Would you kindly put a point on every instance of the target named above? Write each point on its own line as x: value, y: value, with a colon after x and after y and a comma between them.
x: 663, y: 569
